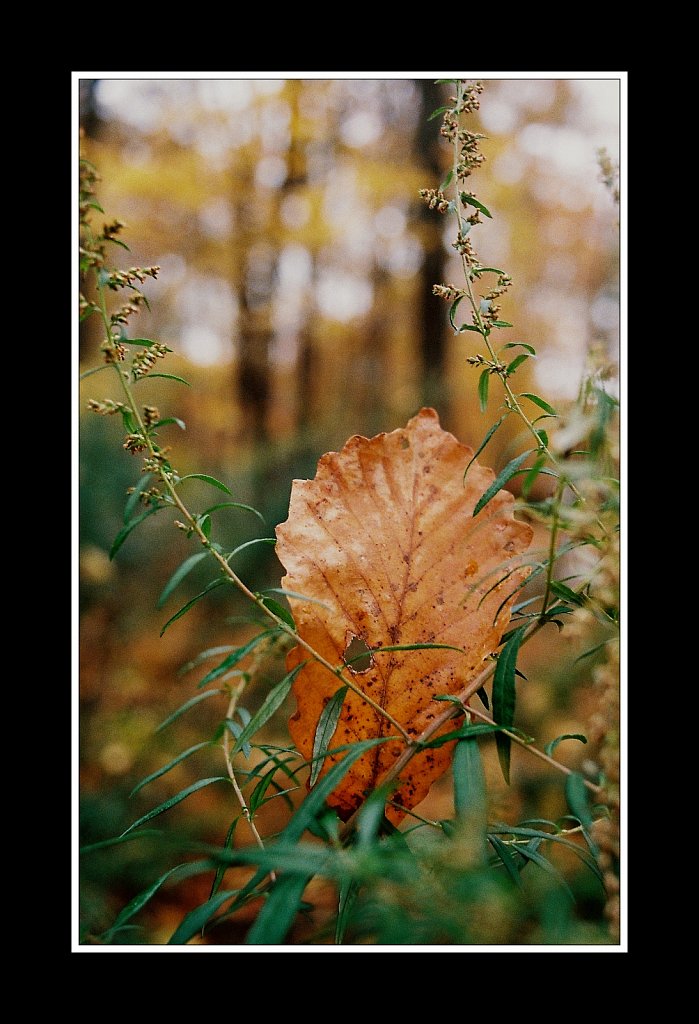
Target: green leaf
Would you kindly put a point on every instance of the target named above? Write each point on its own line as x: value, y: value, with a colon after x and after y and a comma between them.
x: 327, y: 724
x: 179, y: 574
x: 207, y: 480
x: 185, y: 607
x: 593, y: 650
x: 468, y: 200
x: 178, y: 798
x: 517, y: 361
x: 550, y: 747
x: 436, y: 113
x: 576, y: 795
x: 445, y: 81
x: 235, y: 656
x: 236, y: 504
x: 166, y: 768
x: 104, y: 844
x: 520, y: 344
x: 538, y: 858
x: 561, y: 590
x: 349, y: 890
x: 221, y: 869
x: 469, y: 780
x: 483, y: 695
x: 141, y: 342
x: 507, y: 859
x: 531, y: 476
x: 95, y: 369
x: 504, y: 697
x: 138, y: 902
x: 171, y: 419
x: 410, y: 647
x: 279, y: 610
x: 484, y: 442
x: 490, y: 270
x: 249, y: 544
x: 126, y: 530
x: 278, y: 911
x: 452, y: 310
x: 291, y: 594
x: 472, y: 327
x: 449, y: 175
x: 540, y: 402
x: 483, y: 381
x: 169, y: 376
x: 204, y: 524
x: 272, y: 702
x: 501, y: 479
x: 210, y: 652
x: 500, y: 323
x: 134, y: 498
x: 197, y: 919
x: 186, y: 706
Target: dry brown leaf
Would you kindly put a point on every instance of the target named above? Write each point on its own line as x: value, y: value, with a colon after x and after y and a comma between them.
x: 385, y: 537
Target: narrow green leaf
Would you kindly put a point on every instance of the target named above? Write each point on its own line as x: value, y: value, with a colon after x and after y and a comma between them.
x: 235, y: 656
x: 449, y: 175
x: 500, y: 323
x: 235, y: 504
x: 593, y: 650
x: 484, y: 442
x: 141, y: 342
x: 561, y: 590
x: 204, y: 523
x: 540, y: 402
x: 278, y: 911
x: 179, y: 574
x: 520, y: 344
x: 166, y: 768
x: 445, y: 81
x: 135, y: 496
x: 490, y: 270
x: 517, y: 361
x: 221, y: 869
x: 468, y: 200
x: 95, y: 369
x: 576, y: 795
x: 178, y: 798
x: 171, y: 419
x: 207, y: 480
x: 504, y: 697
x: 483, y: 382
x: 315, y: 801
x: 452, y: 310
x: 197, y: 919
x: 210, y: 652
x: 89, y: 312
x: 530, y: 478
x: 469, y: 780
x: 292, y: 595
x: 272, y: 702
x: 538, y: 858
x: 410, y: 647
x: 327, y: 723
x: 483, y: 695
x: 185, y: 608
x: 169, y: 376
x: 349, y: 890
x: 126, y: 530
x: 507, y: 859
x: 472, y: 327
x: 506, y: 474
x: 436, y: 113
x: 104, y: 844
x: 138, y: 902
x: 550, y: 747
x: 186, y: 706
x: 543, y: 437
x: 279, y: 610
x: 249, y: 544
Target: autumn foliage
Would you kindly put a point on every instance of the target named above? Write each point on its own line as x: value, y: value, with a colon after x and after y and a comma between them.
x: 385, y: 543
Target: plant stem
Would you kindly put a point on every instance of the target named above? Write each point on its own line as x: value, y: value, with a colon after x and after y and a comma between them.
x: 225, y: 567
x: 552, y: 548
x: 237, y: 690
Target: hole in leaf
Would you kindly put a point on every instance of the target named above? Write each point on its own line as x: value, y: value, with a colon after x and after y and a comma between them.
x: 404, y: 443
x: 357, y: 655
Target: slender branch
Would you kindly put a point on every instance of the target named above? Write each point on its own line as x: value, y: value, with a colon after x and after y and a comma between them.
x: 552, y: 548
x: 237, y: 690
x: 534, y: 750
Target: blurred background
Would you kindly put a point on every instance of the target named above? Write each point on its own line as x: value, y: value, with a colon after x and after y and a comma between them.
x: 296, y: 292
